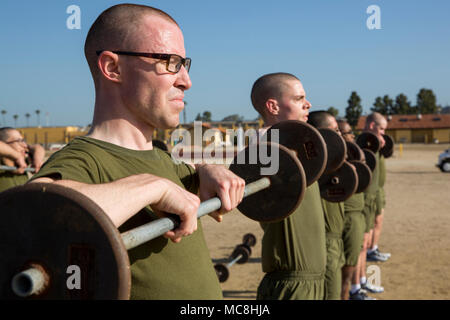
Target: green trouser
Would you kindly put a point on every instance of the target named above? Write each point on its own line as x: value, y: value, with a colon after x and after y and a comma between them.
x: 335, y: 262
x: 353, y: 237
x: 369, y: 210
x: 380, y: 200
x: 291, y: 285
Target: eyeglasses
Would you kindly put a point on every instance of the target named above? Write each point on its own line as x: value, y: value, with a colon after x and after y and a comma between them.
x: 349, y: 132
x: 17, y: 140
x: 173, y: 61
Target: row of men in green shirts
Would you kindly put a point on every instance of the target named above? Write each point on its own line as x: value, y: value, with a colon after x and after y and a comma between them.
x: 118, y: 168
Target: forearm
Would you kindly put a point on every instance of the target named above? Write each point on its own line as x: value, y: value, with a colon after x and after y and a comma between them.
x: 8, y: 152
x: 37, y: 151
x: 122, y: 198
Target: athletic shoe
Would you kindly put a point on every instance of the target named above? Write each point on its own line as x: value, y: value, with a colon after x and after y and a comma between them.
x: 361, y: 294
x: 372, y: 288
x: 386, y: 254
x: 376, y: 256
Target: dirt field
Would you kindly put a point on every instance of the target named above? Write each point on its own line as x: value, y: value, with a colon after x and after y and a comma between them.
x: 416, y: 232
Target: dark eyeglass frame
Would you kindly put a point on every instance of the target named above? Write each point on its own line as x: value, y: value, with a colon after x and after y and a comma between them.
x: 17, y: 141
x: 348, y: 132
x: 186, y: 62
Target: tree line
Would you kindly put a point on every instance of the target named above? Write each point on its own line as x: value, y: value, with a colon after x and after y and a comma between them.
x: 16, y: 117
x: 425, y: 104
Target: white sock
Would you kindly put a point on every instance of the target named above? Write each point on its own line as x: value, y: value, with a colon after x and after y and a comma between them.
x: 374, y: 248
x: 363, y: 280
x: 355, y: 288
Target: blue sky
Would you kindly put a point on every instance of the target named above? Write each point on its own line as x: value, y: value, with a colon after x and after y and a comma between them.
x: 326, y: 43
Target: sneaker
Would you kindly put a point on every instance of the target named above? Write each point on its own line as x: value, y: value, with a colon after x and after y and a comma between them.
x: 361, y: 294
x: 386, y: 254
x: 372, y: 288
x: 376, y: 256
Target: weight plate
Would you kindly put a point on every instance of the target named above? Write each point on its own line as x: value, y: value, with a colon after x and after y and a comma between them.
x: 288, y: 182
x: 249, y: 239
x: 340, y: 185
x: 388, y: 148
x: 55, y: 227
x: 371, y: 159
x: 336, y: 149
x: 354, y: 152
x: 364, y: 175
x: 368, y: 140
x: 222, y: 272
x: 307, y: 143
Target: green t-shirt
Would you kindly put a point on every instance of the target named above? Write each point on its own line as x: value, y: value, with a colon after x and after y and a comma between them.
x: 382, y: 177
x: 160, y: 269
x: 354, y: 204
x: 297, y: 243
x: 374, y: 184
x: 9, y: 180
x: 334, y: 216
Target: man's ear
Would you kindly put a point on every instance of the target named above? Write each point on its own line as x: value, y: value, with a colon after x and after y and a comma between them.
x: 108, y: 64
x: 272, y: 106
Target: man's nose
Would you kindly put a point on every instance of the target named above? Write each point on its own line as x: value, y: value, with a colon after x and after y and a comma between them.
x: 183, y: 79
x: 307, y: 104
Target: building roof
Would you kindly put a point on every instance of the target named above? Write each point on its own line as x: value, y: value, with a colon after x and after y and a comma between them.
x: 412, y: 121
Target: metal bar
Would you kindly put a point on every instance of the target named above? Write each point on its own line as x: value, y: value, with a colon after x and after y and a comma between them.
x: 28, y: 282
x: 8, y: 168
x: 31, y: 280
x: 154, y: 229
x: 229, y: 264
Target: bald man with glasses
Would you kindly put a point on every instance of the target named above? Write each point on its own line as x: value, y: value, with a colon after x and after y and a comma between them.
x: 137, y: 60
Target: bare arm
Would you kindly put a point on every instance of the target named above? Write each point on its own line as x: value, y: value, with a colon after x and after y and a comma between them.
x: 37, y: 154
x: 11, y: 154
x: 125, y: 197
x: 216, y: 180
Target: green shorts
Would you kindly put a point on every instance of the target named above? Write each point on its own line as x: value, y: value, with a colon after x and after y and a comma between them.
x: 353, y: 237
x: 381, y: 201
x: 335, y: 262
x: 369, y: 210
x: 291, y: 285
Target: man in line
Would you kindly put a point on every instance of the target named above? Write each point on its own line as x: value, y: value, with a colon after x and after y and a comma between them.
x: 293, y: 250
x: 354, y: 226
x: 33, y: 153
x: 376, y: 124
x: 334, y: 221
x: 137, y: 60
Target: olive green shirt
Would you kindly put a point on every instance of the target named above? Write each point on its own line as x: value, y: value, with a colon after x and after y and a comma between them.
x: 382, y: 177
x: 354, y: 204
x: 334, y: 216
x: 9, y: 180
x: 374, y: 184
x: 160, y: 269
x: 297, y: 243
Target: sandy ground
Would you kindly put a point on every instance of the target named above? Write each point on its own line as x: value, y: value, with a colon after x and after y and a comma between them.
x: 416, y: 232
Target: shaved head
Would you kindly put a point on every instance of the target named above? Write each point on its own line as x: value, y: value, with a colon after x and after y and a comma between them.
x: 117, y: 29
x: 320, y: 119
x: 269, y: 86
x: 376, y: 118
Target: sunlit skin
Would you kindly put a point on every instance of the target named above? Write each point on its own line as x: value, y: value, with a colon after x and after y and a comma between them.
x: 292, y: 105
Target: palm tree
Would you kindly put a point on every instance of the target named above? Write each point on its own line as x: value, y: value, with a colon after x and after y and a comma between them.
x: 38, y: 112
x: 27, y: 115
x: 3, y: 116
x: 16, y: 116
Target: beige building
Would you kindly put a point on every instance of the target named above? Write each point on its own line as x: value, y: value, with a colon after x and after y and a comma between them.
x: 425, y: 128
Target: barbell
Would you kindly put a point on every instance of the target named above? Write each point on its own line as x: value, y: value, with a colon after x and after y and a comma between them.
x: 240, y: 255
x: 80, y: 234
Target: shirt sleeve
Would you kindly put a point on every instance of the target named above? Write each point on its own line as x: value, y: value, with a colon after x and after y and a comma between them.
x: 70, y: 164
